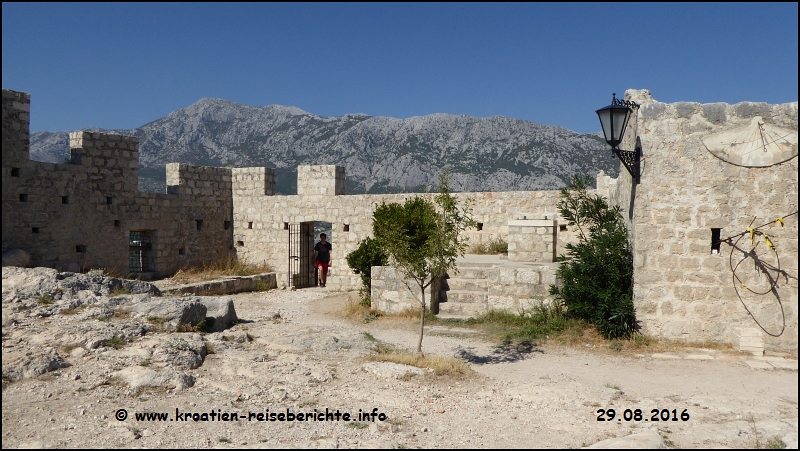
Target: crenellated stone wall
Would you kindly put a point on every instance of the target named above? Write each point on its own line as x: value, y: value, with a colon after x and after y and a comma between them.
x: 79, y: 215
x: 261, y: 223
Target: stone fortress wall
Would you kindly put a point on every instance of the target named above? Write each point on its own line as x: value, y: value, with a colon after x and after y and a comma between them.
x: 261, y: 221
x: 207, y: 213
x: 681, y: 289
x: 79, y: 215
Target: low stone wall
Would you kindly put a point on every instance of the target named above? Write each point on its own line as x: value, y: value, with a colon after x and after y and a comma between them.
x: 229, y: 285
x: 520, y: 288
x: 511, y: 287
x: 532, y: 240
x: 391, y: 295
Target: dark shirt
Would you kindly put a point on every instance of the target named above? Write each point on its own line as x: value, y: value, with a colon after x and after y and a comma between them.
x: 323, y: 251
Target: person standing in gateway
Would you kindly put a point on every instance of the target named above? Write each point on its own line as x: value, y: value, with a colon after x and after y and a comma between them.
x: 322, y: 257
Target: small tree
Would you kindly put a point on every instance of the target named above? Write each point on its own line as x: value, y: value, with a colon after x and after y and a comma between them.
x: 597, y: 273
x: 423, y: 239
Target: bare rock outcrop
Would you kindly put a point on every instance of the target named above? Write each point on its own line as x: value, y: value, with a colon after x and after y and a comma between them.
x: 139, y: 377
x: 30, y: 362
x: 220, y: 313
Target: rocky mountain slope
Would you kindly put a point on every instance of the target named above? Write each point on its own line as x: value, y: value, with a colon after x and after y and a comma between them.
x: 381, y: 154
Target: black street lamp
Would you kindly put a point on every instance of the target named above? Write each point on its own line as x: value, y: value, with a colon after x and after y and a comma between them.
x: 614, y: 118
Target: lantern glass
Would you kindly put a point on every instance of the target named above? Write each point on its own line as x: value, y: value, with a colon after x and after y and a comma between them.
x: 614, y: 119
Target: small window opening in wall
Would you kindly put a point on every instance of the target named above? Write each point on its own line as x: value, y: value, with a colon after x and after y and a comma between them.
x: 249, y: 225
x: 34, y: 230
x: 240, y: 243
x: 562, y: 227
x: 108, y: 200
x: 285, y: 226
x: 14, y: 172
x: 140, y: 255
x: 346, y: 228
x: 182, y: 251
x: 715, y: 234
x: 227, y: 225
x: 117, y: 223
x: 80, y: 248
x: 23, y: 197
x: 480, y: 226
x: 64, y: 199
x: 199, y: 224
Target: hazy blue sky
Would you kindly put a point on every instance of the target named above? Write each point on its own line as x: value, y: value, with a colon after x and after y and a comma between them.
x: 123, y: 65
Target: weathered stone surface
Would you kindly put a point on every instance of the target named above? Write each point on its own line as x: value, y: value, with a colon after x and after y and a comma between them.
x: 228, y: 285
x: 220, y: 313
x: 642, y: 440
x: 139, y: 377
x: 392, y: 370
x: 173, y: 312
x: 27, y: 283
x: 31, y: 362
x: 184, y: 353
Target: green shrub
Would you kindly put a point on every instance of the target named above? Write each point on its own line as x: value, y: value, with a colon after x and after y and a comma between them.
x: 45, y: 299
x: 361, y: 260
x: 597, y: 273
x: 116, y: 342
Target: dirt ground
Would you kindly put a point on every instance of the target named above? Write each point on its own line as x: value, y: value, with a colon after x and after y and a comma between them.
x: 296, y: 351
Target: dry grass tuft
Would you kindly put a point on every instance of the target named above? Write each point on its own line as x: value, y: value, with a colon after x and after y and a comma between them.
x: 496, y: 246
x: 225, y: 267
x: 73, y: 311
x: 67, y: 349
x: 441, y: 366
x: 357, y: 311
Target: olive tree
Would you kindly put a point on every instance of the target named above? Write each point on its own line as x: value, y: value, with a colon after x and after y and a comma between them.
x: 422, y: 239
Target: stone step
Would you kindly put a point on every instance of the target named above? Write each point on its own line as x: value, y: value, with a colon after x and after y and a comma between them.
x: 460, y: 310
x: 475, y: 264
x: 471, y: 272
x: 464, y: 296
x: 460, y: 283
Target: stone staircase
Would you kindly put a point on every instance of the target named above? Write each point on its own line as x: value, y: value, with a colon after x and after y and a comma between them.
x: 466, y: 294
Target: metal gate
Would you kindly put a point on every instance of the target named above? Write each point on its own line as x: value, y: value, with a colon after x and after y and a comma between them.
x: 301, y: 273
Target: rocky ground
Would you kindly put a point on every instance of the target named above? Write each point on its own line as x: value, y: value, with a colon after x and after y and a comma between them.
x: 73, y: 365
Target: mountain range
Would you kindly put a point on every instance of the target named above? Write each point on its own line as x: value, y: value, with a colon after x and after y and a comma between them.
x: 380, y: 154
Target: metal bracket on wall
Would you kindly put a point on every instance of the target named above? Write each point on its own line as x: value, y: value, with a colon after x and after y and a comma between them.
x: 632, y: 160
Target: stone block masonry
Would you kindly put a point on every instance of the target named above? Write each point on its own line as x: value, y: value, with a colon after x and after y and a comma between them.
x: 327, y: 180
x: 532, y: 240
x: 261, y: 222
x: 80, y: 215
x: 689, y: 193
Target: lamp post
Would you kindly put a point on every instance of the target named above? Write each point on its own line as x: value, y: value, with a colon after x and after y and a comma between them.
x: 614, y: 118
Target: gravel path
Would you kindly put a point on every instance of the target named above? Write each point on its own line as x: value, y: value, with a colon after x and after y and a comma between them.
x: 294, y: 351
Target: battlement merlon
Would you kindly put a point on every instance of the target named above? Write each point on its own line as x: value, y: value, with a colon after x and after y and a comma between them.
x: 104, y: 150
x: 256, y: 181
x: 193, y: 180
x: 16, y: 127
x: 320, y: 180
